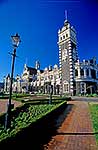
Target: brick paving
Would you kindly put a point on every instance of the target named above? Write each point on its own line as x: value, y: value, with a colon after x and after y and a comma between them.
x: 76, y: 131
x: 3, y: 104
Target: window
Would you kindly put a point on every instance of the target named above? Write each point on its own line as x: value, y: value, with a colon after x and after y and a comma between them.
x: 66, y: 87
x: 63, y: 36
x: 87, y: 72
x: 42, y: 78
x: 76, y: 72
x: 51, y: 77
x: 30, y: 80
x: 62, y: 46
x: 83, y: 87
x: 64, y: 54
x: 66, y: 35
x: 82, y: 72
x: 93, y: 73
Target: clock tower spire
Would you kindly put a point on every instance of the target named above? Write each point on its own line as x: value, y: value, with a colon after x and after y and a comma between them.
x: 66, y: 14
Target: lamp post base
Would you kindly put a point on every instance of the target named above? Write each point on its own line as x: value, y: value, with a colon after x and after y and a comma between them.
x: 8, y: 116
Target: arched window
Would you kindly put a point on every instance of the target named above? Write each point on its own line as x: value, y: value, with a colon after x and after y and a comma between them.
x: 93, y: 73
x: 63, y: 36
x: 76, y: 72
x: 87, y: 72
x: 82, y: 72
x: 66, y: 87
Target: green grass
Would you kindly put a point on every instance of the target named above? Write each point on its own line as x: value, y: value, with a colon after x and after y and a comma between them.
x: 94, y: 117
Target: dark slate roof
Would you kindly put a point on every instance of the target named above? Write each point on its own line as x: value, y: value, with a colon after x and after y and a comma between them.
x: 32, y: 70
x: 41, y: 71
x: 1, y: 85
x: 8, y: 76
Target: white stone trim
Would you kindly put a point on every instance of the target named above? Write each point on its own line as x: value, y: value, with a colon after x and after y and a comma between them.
x: 60, y: 65
x: 70, y: 50
x: 71, y: 90
x: 71, y: 63
x: 70, y: 69
x: 71, y: 83
x: 69, y: 42
x: 71, y: 86
x: 71, y: 73
x: 69, y: 46
x: 70, y: 57
x: 70, y: 53
x: 71, y: 79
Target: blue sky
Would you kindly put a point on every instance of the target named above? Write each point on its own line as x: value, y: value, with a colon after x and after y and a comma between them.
x: 37, y: 22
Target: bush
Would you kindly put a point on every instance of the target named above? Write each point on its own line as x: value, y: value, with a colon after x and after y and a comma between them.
x: 92, y: 95
x: 19, y: 95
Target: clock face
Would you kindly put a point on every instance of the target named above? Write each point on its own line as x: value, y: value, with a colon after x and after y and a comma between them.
x: 64, y: 54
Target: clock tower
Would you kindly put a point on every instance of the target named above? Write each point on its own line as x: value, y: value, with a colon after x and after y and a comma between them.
x: 67, y: 57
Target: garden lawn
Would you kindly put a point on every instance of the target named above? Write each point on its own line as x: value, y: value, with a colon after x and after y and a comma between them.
x: 94, y: 117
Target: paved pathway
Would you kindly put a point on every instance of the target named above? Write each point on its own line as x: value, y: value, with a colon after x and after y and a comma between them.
x: 76, y: 132
x: 3, y: 105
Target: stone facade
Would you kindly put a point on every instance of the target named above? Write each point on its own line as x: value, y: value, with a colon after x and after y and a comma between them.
x: 48, y: 78
x: 67, y: 57
x: 86, y: 76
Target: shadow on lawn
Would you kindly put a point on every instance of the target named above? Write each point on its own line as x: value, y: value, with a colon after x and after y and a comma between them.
x: 40, y: 133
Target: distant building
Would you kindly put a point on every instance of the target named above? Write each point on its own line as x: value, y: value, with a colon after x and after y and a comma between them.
x: 48, y: 77
x: 86, y: 77
x: 28, y: 75
x: 72, y: 77
x: 7, y: 83
x: 1, y: 86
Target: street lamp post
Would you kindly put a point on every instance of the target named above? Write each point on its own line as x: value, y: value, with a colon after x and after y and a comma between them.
x: 15, y: 42
x: 50, y: 98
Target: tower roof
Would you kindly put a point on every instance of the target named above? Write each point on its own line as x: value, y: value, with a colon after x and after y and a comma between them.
x: 66, y: 22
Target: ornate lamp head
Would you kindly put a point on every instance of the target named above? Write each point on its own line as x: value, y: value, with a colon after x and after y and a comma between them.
x: 15, y: 40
